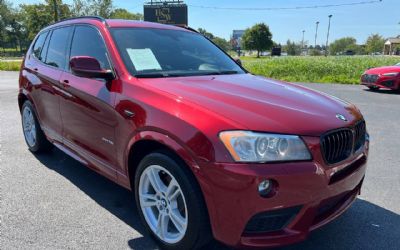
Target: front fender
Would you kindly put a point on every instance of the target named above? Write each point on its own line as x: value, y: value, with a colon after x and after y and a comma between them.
x: 163, y: 138
x: 187, y: 155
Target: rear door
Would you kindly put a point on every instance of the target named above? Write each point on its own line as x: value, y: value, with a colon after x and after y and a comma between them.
x: 87, y: 111
x: 47, y: 63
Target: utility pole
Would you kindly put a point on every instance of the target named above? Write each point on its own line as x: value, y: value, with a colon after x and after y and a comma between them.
x: 316, y: 34
x: 327, y: 36
x: 55, y: 6
x: 302, y: 43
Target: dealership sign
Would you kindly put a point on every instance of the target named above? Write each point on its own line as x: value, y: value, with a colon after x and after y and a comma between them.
x: 176, y: 14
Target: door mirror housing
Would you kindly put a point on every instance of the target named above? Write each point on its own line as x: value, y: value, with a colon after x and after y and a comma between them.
x: 89, y: 67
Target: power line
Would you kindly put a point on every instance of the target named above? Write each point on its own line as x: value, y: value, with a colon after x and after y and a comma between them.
x: 286, y: 8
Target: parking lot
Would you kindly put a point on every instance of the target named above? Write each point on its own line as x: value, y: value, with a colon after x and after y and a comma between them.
x: 53, y: 202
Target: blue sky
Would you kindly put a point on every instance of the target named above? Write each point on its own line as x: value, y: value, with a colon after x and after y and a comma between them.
x: 358, y: 21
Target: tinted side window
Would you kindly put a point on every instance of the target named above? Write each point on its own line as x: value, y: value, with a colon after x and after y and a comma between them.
x: 57, y: 47
x: 37, y: 48
x: 87, y: 41
x: 45, y: 47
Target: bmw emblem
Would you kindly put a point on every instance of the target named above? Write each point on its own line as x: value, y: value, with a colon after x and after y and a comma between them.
x: 341, y: 117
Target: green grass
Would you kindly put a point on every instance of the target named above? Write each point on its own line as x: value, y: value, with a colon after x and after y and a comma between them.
x: 10, y: 65
x: 340, y: 69
x: 8, y: 49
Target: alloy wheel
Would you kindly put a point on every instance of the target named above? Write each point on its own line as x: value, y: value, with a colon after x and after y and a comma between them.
x: 29, y: 126
x: 163, y: 204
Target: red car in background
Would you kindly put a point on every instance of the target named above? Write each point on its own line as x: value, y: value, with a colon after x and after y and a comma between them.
x: 387, y: 77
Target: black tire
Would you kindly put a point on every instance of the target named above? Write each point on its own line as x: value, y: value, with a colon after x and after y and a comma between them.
x: 41, y: 143
x: 198, y: 232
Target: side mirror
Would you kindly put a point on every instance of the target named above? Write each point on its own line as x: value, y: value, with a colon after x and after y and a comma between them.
x: 238, y: 61
x: 86, y: 66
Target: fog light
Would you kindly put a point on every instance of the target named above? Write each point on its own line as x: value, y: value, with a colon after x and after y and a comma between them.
x: 265, y: 188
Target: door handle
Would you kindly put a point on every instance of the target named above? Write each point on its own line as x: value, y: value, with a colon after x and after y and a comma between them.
x: 35, y: 69
x: 65, y: 83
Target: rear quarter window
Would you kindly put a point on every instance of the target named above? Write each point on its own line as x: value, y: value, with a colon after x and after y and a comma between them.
x: 39, y: 44
x: 45, y: 47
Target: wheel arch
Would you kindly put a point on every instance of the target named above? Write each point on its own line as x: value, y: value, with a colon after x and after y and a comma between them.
x: 22, y: 98
x: 146, y: 142
x: 160, y: 143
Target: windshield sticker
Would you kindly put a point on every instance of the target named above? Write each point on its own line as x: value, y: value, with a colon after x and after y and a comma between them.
x: 143, y: 59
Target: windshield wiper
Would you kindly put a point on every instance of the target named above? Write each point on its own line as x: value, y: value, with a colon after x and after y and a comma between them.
x: 152, y: 75
x: 222, y: 72
x: 164, y: 74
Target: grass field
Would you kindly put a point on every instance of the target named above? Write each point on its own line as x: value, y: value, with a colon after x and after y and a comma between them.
x: 340, y: 69
x: 10, y: 65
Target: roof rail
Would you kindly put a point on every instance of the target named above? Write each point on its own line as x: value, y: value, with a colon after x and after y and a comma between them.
x: 187, y: 28
x: 83, y: 17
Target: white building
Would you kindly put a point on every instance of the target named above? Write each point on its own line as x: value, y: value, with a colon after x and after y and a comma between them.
x: 392, y: 45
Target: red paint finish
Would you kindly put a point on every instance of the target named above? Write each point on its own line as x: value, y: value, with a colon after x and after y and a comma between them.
x: 90, y: 120
x: 234, y: 200
x: 382, y: 80
x: 42, y: 84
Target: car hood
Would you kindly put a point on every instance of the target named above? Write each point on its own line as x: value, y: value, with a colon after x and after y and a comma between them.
x: 383, y: 70
x: 261, y: 104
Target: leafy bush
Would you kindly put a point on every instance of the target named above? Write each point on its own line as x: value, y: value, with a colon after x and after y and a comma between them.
x: 10, y: 65
x: 333, y: 69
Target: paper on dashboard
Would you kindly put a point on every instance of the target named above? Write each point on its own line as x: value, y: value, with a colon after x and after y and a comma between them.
x: 143, y: 59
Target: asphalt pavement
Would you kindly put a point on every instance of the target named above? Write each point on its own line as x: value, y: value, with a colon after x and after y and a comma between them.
x: 53, y: 202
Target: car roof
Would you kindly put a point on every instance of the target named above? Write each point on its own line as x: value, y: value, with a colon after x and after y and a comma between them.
x: 116, y: 23
x: 139, y: 24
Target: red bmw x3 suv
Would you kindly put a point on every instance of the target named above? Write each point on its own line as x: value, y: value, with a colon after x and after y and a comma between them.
x: 209, y: 150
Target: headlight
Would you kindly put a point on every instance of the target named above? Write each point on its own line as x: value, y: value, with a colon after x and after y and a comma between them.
x: 246, y: 146
x: 391, y: 74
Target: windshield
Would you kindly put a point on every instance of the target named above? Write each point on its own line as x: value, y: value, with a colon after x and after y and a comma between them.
x: 151, y: 53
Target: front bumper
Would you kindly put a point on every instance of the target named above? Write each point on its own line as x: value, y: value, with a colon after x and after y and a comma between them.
x: 318, y: 192
x: 392, y: 83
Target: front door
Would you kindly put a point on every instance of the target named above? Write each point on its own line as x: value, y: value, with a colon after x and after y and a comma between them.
x: 87, y: 109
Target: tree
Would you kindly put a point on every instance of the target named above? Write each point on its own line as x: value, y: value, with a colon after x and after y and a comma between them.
x: 4, y: 21
x: 12, y: 31
x: 35, y: 17
x: 18, y: 27
x: 258, y: 37
x: 206, y: 33
x: 124, y: 14
x: 341, y: 45
x: 58, y: 9
x: 221, y: 42
x: 374, y: 43
x: 103, y: 8
x: 356, y: 49
x: 315, y: 52
x: 292, y: 48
